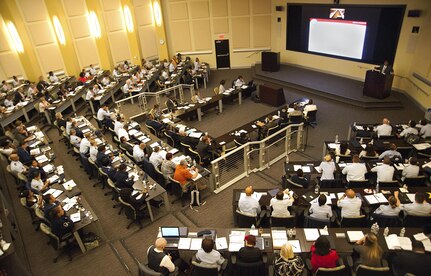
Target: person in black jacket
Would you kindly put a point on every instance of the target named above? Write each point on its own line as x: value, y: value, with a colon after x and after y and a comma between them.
x: 300, y: 179
x: 61, y: 224
x: 122, y: 178
x: 108, y: 169
x: 101, y: 155
x: 33, y: 169
x: 126, y: 145
x: 138, y: 204
x: 416, y: 262
x: 249, y: 253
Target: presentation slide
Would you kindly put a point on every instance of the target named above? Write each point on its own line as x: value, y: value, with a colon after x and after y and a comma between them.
x: 337, y: 37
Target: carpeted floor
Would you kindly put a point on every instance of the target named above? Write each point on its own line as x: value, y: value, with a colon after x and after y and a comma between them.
x: 118, y: 254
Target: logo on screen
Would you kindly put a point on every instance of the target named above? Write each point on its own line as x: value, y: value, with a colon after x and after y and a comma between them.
x: 337, y: 13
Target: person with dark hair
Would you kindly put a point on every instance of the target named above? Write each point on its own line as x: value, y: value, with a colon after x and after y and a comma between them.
x: 369, y: 251
x: 61, y: 224
x: 209, y: 256
x: 49, y: 203
x: 104, y: 116
x: 221, y: 88
x: 425, y: 131
x: 391, y: 152
x: 385, y: 68
x: 172, y: 103
x: 24, y: 155
x: 321, y: 210
x: 385, y: 172
x: 418, y: 208
x: 239, y: 82
x: 168, y: 166
x: 102, y: 155
x: 300, y: 179
x: 411, y: 170
x: 389, y: 210
x: 322, y: 255
x: 31, y: 200
x: 280, y: 204
x: 249, y: 253
x: 411, y: 129
x: 327, y: 166
x: 137, y: 200
x: 108, y: 169
x: 343, y: 149
x: 309, y: 107
x: 368, y: 151
x: 126, y: 145
x: 415, y: 262
x: 33, y: 169
x: 37, y: 184
x: 356, y: 170
x: 122, y: 179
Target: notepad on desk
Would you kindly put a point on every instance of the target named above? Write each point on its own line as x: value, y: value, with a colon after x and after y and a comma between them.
x: 354, y: 236
x: 184, y: 243
x: 279, y: 237
x: 311, y: 234
x: 75, y: 217
x: 296, y: 246
x: 396, y: 243
x: 221, y: 243
x: 376, y: 198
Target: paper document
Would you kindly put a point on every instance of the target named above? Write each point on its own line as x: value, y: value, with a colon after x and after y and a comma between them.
x: 311, y: 234
x: 255, y: 195
x: 75, y: 217
x: 236, y: 240
x: 221, y: 243
x: 296, y: 246
x: 279, y: 237
x: 196, y: 244
x: 184, y: 243
x: 355, y: 236
x: 394, y: 242
x: 422, y: 146
x: 420, y: 237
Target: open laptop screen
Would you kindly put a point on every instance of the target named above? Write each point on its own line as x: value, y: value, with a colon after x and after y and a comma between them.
x: 170, y: 232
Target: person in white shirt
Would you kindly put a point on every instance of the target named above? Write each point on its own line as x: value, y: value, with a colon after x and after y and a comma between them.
x: 85, y: 145
x: 104, y: 116
x: 93, y: 70
x: 122, y: 132
x: 426, y: 130
x: 118, y: 124
x: 158, y: 258
x: 93, y: 150
x: 197, y: 65
x: 138, y: 152
x: 221, y: 87
x: 385, y: 129
x: 15, y: 81
x: 411, y: 129
x: 350, y: 204
x: 8, y: 102
x: 389, y: 210
x: 127, y: 86
x: 52, y: 78
x: 207, y: 255
x: 279, y: 204
x: 90, y: 95
x: 116, y: 72
x: 418, y: 208
x: 15, y: 165
x: 385, y: 172
x: 74, y: 140
x: 69, y: 124
x: 355, y: 171
x: 391, y: 152
x: 32, y: 91
x: 37, y: 183
x: 309, y: 107
x: 411, y: 169
x: 248, y: 204
x: 320, y: 209
x: 328, y: 168
x: 165, y: 63
x: 172, y: 67
x: 239, y: 82
x: 164, y: 76
x: 155, y: 158
x: 147, y: 64
x: 106, y: 80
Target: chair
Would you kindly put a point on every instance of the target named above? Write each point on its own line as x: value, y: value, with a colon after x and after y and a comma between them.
x: 103, y: 178
x: 418, y: 181
x: 351, y: 222
x: 288, y: 222
x: 310, y: 222
x: 186, y: 148
x: 389, y: 184
x: 160, y: 178
x: 132, y: 214
x: 144, y: 270
x: 363, y: 270
x: 334, y: 183
x: 169, y: 139
x: 339, y: 270
x: 245, y: 221
x: 311, y: 119
x: 250, y: 269
x: 416, y: 221
x: 199, y: 269
x: 115, y: 194
x: 178, y: 190
x: 61, y: 245
x: 196, y: 156
x: 386, y: 221
x: 152, y: 129
x: 359, y: 184
x: 216, y: 90
x: 295, y: 119
x: 292, y: 184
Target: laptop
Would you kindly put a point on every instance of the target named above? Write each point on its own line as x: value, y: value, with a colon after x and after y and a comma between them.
x: 172, y: 234
x: 260, y: 243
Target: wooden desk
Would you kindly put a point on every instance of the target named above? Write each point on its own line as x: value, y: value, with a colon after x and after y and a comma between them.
x: 271, y: 95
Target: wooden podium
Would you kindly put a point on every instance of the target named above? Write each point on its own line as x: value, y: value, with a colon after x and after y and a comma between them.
x: 271, y: 95
x: 377, y: 85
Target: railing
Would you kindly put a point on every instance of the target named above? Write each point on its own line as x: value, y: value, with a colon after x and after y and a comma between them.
x: 142, y: 96
x: 255, y: 156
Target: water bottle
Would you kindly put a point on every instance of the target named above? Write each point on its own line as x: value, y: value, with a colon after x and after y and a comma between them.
x: 386, y: 232
x: 316, y: 189
x: 252, y: 227
x: 377, y: 188
x: 402, y: 232
x: 336, y: 138
x: 361, y: 141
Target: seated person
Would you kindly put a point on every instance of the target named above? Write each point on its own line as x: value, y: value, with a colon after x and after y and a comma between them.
x: 280, y: 204
x: 418, y: 208
x: 37, y: 184
x: 369, y: 251
x: 140, y: 152
x: 127, y: 196
x: 425, y: 131
x: 126, y: 145
x: 196, y: 97
x: 249, y: 253
x: 31, y: 200
x: 369, y: 151
x: 34, y: 168
x: 208, y: 255
x: 288, y: 263
x: 327, y: 166
x: 248, y: 204
x: 411, y: 170
x: 74, y: 139
x: 309, y: 107
x: 155, y: 158
x: 385, y: 129
x: 168, y: 166
x: 355, y: 171
x: 391, y: 152
x: 122, y: 179
x: 411, y: 129
x: 23, y: 154
x: 350, y: 204
x: 239, y: 82
x: 158, y: 126
x: 343, y: 149
x: 389, y: 210
x: 415, y: 262
x: 104, y: 116
x: 156, y: 112
x: 15, y: 165
x: 102, y: 155
x: 159, y: 260
x: 49, y: 203
x: 61, y: 224
x: 270, y: 122
x: 322, y: 255
x: 108, y: 169
x: 321, y: 210
x: 206, y: 149
x: 171, y: 103
x: 300, y: 179
x: 182, y: 173
x: 385, y: 172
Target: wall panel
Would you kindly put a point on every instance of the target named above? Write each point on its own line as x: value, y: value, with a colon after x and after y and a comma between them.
x: 199, y: 9
x: 241, y: 32
x: 261, y: 36
x: 74, y: 7
x: 119, y: 46
x: 202, y: 32
x: 50, y: 58
x: 219, y: 8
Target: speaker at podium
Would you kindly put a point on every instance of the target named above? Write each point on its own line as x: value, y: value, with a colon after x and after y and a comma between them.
x: 270, y: 61
x: 377, y: 85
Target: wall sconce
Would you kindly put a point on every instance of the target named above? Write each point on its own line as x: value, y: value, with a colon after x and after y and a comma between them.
x: 58, y: 30
x: 128, y: 18
x: 93, y: 23
x: 14, y: 37
x: 157, y: 12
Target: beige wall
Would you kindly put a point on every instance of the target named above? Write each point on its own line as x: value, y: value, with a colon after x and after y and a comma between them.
x: 146, y: 29
x: 9, y: 61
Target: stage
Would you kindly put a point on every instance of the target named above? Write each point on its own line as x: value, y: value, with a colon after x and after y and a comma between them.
x: 326, y: 85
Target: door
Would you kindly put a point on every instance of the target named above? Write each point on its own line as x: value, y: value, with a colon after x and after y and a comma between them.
x: 222, y: 53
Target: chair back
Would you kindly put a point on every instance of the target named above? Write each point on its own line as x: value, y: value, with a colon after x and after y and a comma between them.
x: 216, y: 90
x: 152, y: 129
x: 311, y: 116
x: 418, y: 181
x: 244, y: 221
x: 129, y: 209
x: 176, y: 187
x: 362, y: 184
x: 115, y: 191
x: 310, y: 222
x: 251, y: 269
x: 53, y: 239
x: 186, y: 148
x: 160, y: 178
x: 386, y: 221
x: 291, y: 184
x: 389, y: 184
x: 169, y: 139
x: 144, y: 270
x: 334, y: 183
x: 288, y: 222
x: 364, y: 270
x: 334, y: 271
x: 353, y: 222
x: 416, y: 221
x: 199, y: 269
x: 9, y: 170
x: 195, y: 155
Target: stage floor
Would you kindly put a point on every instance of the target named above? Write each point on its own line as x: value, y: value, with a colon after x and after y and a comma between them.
x: 326, y: 85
